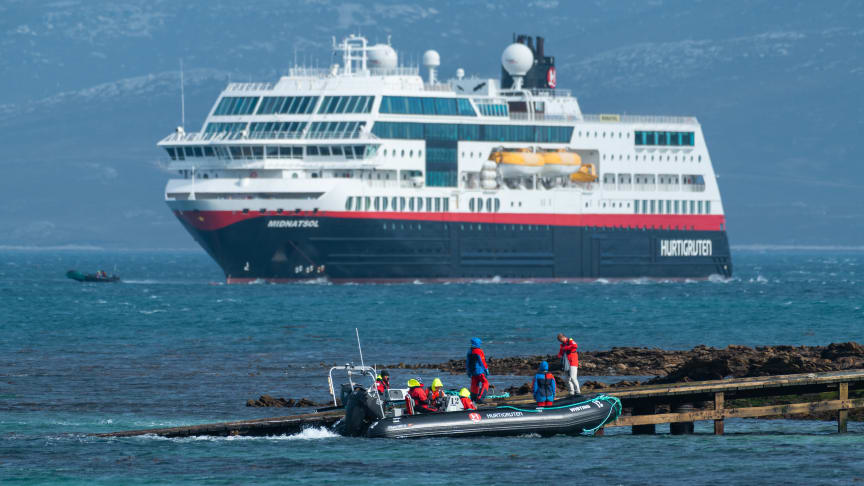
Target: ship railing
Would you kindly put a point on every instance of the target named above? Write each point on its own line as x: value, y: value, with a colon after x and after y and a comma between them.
x: 249, y: 86
x: 538, y: 92
x: 340, y: 135
x: 317, y: 73
x: 605, y: 117
x: 543, y: 117
x: 231, y: 136
x: 445, y: 87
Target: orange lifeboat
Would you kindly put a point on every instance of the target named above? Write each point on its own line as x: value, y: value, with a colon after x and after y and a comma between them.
x: 586, y: 173
x: 560, y: 162
x: 515, y: 163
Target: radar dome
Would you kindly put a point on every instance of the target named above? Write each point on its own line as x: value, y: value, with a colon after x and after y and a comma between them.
x: 431, y: 58
x: 381, y: 56
x: 517, y: 59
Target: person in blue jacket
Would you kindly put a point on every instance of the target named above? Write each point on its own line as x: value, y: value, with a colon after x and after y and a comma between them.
x: 544, y: 386
x: 476, y: 368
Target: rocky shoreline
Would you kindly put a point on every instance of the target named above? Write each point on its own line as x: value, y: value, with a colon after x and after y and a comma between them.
x: 665, y: 366
x: 675, y: 366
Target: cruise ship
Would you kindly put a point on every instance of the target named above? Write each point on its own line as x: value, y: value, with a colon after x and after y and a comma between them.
x: 371, y: 171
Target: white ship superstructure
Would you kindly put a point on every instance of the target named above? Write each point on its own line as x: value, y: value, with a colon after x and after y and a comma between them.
x: 368, y: 171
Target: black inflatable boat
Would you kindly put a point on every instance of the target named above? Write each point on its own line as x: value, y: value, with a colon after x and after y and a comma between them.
x: 583, y: 414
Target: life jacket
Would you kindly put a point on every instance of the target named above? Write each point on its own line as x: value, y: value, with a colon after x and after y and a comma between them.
x: 420, y: 399
x: 544, y: 387
x: 475, y: 362
x: 467, y: 404
x: 568, y: 351
x: 435, y: 394
x: 382, y: 386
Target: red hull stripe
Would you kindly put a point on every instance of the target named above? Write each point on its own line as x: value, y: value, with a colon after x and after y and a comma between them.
x: 213, y: 220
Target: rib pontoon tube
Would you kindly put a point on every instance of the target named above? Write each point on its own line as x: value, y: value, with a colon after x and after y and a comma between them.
x: 574, y: 416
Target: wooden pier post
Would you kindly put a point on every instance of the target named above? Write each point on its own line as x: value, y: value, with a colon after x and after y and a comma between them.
x: 681, y: 428
x: 644, y: 407
x: 842, y: 415
x: 719, y: 398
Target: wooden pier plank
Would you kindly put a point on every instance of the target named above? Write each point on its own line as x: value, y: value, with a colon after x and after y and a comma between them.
x: 719, y: 399
x: 842, y: 415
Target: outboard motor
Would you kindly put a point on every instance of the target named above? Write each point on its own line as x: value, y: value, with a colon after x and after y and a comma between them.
x: 361, y: 410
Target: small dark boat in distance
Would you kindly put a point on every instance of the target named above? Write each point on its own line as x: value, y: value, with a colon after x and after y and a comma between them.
x: 99, y: 276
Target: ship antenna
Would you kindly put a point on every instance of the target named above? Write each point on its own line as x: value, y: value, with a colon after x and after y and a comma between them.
x: 359, y: 347
x: 182, y: 98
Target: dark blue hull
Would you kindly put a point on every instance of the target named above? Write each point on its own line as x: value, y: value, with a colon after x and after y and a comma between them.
x: 287, y: 248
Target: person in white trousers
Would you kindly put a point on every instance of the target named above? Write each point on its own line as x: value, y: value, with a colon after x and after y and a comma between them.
x: 570, y: 362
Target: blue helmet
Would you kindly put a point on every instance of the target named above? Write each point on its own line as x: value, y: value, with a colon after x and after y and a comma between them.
x: 476, y: 342
x: 544, y: 366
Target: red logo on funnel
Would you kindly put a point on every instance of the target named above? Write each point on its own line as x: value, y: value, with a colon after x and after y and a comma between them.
x: 551, y: 77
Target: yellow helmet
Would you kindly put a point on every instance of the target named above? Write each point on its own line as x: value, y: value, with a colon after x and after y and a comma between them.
x: 464, y: 393
x: 436, y: 384
x: 379, y: 377
x: 413, y: 382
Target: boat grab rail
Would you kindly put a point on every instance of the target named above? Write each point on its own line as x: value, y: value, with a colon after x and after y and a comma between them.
x: 350, y: 369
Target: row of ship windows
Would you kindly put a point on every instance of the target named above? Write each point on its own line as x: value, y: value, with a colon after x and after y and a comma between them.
x: 652, y: 158
x: 474, y: 227
x: 490, y: 133
x: 397, y: 203
x: 492, y: 205
x: 412, y: 105
x: 335, y: 129
x: 292, y: 105
x: 492, y: 109
x: 271, y: 152
x: 673, y: 139
x: 663, y: 182
x: 671, y: 207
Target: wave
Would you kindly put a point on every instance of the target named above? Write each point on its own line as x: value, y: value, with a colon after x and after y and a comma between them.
x: 86, y: 247
x: 51, y: 248
x: 312, y: 433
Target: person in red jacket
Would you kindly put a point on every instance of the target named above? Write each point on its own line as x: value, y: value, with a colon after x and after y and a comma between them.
x: 465, y: 398
x: 382, y: 383
x: 418, y: 395
x: 476, y: 368
x: 570, y: 362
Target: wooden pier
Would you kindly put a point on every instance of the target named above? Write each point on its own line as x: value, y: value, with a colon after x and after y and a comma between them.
x: 707, y: 400
x: 687, y: 403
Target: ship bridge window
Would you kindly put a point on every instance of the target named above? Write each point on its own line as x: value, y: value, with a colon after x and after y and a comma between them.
x: 410, y: 105
x: 346, y: 104
x: 236, y: 105
x: 276, y: 129
x: 219, y: 127
x: 673, y: 139
x: 287, y: 105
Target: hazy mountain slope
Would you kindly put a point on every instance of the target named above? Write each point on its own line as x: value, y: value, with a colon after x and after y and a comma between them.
x: 89, y: 87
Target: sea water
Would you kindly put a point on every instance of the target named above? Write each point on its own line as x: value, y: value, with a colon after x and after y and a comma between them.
x: 172, y: 345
